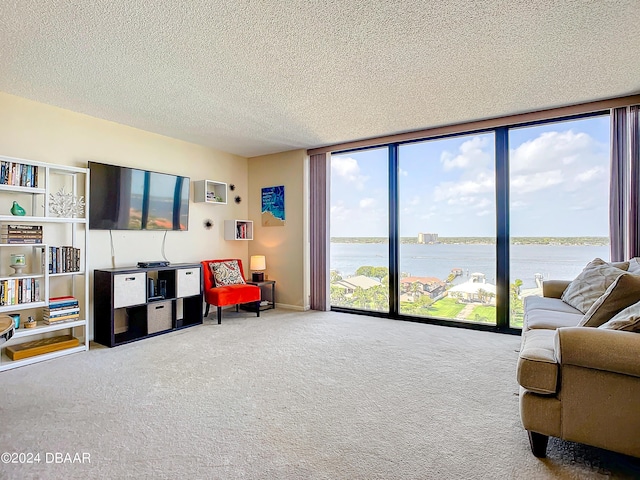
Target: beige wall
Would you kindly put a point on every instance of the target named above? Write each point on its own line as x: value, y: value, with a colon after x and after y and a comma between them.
x: 286, y: 247
x: 44, y: 133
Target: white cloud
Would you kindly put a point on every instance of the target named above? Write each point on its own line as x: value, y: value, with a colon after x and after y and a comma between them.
x: 536, y: 181
x: 348, y: 168
x: 594, y: 173
x: 403, y: 173
x: 339, y: 211
x: 415, y: 200
x: 551, y: 149
x: 464, y: 188
x: 367, y: 202
x: 483, y: 203
x: 471, y: 154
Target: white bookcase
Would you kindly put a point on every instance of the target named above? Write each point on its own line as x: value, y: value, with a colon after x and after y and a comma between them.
x: 238, y: 230
x: 210, y: 191
x: 31, y: 184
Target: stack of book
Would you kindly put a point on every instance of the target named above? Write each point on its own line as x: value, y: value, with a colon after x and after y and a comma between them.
x: 19, y: 174
x: 21, y: 234
x: 64, y: 259
x: 242, y: 230
x: 61, y: 309
x: 15, y: 291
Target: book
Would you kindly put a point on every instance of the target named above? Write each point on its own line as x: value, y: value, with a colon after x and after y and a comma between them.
x: 65, y: 298
x: 70, y: 304
x: 63, y: 317
x: 60, y: 302
x: 19, y: 241
x: 18, y: 234
x: 13, y: 227
x: 61, y: 313
x: 52, y: 321
x: 58, y: 307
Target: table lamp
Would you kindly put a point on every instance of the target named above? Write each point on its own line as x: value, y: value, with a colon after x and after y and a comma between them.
x: 257, y: 265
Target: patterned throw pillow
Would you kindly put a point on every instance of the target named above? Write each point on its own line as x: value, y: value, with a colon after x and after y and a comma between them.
x: 627, y: 320
x: 226, y: 273
x: 624, y: 291
x: 590, y: 285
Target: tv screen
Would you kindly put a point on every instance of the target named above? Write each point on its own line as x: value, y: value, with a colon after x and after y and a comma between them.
x: 122, y: 198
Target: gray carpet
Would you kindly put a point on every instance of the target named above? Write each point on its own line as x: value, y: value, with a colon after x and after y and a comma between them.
x: 290, y: 395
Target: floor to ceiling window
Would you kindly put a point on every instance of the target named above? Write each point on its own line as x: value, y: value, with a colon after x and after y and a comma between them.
x: 447, y: 224
x: 462, y: 228
x: 559, y: 196
x: 359, y: 249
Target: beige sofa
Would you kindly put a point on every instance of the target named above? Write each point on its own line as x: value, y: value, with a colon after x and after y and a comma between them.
x: 579, y: 371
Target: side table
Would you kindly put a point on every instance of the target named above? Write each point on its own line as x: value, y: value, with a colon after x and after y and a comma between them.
x: 267, y: 295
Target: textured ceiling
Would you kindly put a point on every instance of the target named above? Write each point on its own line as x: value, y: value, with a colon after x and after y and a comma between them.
x: 259, y: 77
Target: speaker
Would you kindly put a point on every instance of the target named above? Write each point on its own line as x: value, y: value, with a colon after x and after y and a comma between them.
x: 152, y: 289
x: 163, y: 288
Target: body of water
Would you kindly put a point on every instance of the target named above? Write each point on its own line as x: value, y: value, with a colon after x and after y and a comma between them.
x: 561, y: 262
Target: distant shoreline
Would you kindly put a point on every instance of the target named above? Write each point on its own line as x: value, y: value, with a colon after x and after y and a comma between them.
x: 562, y: 241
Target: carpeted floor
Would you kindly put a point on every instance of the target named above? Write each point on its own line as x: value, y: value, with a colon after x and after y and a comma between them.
x: 289, y: 395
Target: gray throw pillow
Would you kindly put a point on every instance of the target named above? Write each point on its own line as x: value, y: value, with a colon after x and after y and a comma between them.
x: 634, y: 266
x: 624, y: 291
x: 590, y: 285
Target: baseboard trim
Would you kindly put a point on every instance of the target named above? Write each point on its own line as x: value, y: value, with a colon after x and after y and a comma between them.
x: 292, y: 307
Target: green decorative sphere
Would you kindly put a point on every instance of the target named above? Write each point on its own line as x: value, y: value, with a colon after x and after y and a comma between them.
x: 17, y: 210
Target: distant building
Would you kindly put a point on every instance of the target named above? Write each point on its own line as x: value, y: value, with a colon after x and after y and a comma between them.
x: 358, y: 281
x: 476, y: 289
x: 427, y: 238
x: 431, y: 286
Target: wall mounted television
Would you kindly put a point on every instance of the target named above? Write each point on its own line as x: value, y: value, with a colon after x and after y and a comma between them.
x: 122, y: 198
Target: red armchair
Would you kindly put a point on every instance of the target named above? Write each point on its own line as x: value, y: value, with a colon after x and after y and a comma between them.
x: 228, y: 294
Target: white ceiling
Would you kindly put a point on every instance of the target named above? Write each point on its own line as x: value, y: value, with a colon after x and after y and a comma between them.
x: 258, y: 77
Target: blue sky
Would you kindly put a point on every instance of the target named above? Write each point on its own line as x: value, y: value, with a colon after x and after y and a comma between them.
x: 559, y: 184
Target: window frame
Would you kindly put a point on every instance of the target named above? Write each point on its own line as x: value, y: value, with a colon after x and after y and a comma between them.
x: 503, y: 237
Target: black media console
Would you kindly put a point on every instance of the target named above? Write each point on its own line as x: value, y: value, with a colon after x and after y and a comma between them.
x: 132, y: 303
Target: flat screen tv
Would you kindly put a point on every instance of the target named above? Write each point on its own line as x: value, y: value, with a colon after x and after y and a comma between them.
x: 122, y: 198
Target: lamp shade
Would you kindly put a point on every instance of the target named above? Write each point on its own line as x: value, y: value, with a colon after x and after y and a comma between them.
x: 258, y: 262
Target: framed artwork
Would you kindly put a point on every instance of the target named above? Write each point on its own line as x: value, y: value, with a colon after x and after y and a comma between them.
x: 273, y: 206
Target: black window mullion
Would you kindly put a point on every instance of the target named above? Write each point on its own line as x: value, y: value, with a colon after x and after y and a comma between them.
x: 502, y: 227
x: 394, y: 239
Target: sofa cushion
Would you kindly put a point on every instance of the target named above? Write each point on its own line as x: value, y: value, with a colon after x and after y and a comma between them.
x: 226, y: 273
x: 233, y: 294
x: 533, y: 302
x: 550, y: 319
x: 627, y: 320
x: 537, y: 367
x: 634, y: 266
x: 624, y: 291
x: 590, y: 284
x: 623, y: 266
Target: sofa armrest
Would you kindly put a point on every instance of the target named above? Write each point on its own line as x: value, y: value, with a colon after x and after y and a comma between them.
x: 554, y: 288
x: 599, y: 349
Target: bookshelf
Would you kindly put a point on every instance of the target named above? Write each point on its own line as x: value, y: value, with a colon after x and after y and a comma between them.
x: 52, y: 238
x: 210, y: 191
x: 127, y: 310
x: 238, y: 230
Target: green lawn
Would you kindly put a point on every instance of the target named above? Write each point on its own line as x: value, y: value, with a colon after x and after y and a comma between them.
x: 446, y: 308
x: 484, y: 314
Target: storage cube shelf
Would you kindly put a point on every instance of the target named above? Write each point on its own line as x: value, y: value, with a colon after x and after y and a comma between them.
x: 238, y: 230
x: 210, y: 191
x: 127, y: 306
x: 38, y: 235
